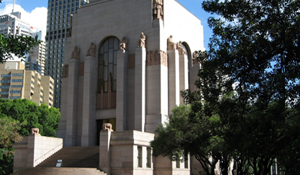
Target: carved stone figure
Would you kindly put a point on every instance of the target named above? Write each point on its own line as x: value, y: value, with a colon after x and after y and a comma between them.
x: 142, y: 40
x: 195, y: 60
x: 171, y: 44
x: 35, y: 131
x: 158, y: 9
x: 180, y: 48
x: 123, y: 44
x: 76, y: 53
x: 107, y: 127
x: 157, y: 57
x: 69, y: 34
x: 65, y: 72
x: 91, y: 51
x: 195, y: 55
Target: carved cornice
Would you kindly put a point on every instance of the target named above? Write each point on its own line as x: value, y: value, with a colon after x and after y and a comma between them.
x: 65, y: 72
x: 157, y: 57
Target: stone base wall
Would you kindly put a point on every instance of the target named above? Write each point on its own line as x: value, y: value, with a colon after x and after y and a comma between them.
x: 34, y: 149
x: 129, y: 152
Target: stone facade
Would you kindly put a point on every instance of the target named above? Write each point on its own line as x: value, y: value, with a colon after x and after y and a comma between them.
x: 131, y: 76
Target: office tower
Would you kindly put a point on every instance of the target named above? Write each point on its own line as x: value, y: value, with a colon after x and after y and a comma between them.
x: 36, y: 58
x: 11, y: 24
x: 59, y: 12
x: 16, y: 82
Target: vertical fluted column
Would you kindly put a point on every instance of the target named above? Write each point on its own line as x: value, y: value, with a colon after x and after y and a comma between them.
x: 72, y: 106
x: 140, y: 81
x: 183, y: 74
x: 121, y: 90
x: 89, y: 102
x: 174, y: 92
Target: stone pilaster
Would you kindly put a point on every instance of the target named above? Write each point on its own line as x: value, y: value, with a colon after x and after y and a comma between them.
x: 157, y: 89
x: 89, y: 101
x: 121, y: 91
x: 174, y: 92
x: 194, y: 75
x: 61, y: 132
x: 72, y: 105
x: 104, y: 150
x: 140, y: 85
x: 183, y: 74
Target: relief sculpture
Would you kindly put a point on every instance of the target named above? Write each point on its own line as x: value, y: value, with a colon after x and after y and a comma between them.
x: 171, y: 44
x: 91, y: 51
x: 158, y: 9
x: 107, y: 127
x: 35, y: 131
x: 65, y: 72
x: 123, y: 44
x: 180, y: 48
x: 75, y: 53
x: 142, y: 40
x: 157, y: 57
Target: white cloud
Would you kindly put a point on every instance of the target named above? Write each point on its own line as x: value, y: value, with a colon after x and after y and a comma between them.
x: 37, y: 18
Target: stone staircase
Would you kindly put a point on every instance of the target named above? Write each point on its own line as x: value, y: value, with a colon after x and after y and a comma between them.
x: 75, y: 161
x: 59, y: 171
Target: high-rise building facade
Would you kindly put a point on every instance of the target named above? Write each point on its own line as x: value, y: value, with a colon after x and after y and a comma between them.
x: 11, y: 24
x: 36, y: 58
x: 59, y: 15
x: 16, y: 82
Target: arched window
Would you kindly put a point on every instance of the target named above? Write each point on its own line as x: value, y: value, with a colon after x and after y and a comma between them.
x: 107, y: 68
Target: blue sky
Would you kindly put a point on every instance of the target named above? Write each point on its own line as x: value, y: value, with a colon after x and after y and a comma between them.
x: 194, y: 6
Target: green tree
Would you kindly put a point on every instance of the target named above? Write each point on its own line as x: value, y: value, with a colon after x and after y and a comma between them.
x: 250, y: 80
x: 8, y: 135
x: 17, y: 45
x: 255, y: 52
x: 17, y: 117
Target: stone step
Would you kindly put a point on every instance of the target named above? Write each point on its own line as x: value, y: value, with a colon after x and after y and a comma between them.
x: 59, y: 171
x: 85, y: 157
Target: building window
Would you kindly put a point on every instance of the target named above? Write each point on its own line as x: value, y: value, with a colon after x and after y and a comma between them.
x: 17, y: 80
x: 17, y: 75
x: 4, y: 87
x: 16, y: 85
x: 186, y: 161
x: 148, y: 164
x: 5, y: 75
x: 107, y: 67
x: 4, y: 93
x: 15, y: 97
x: 15, y: 91
x: 139, y: 156
x: 177, y: 162
x: 5, y: 81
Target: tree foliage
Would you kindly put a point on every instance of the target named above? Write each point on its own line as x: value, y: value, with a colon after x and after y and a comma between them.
x: 249, y: 81
x: 17, y: 117
x: 17, y: 45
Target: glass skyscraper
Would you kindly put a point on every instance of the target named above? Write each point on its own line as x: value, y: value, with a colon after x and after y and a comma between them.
x: 59, y: 12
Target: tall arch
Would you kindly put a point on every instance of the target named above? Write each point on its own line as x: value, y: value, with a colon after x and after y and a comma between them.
x: 107, y: 65
x: 107, y: 73
x: 189, y: 58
